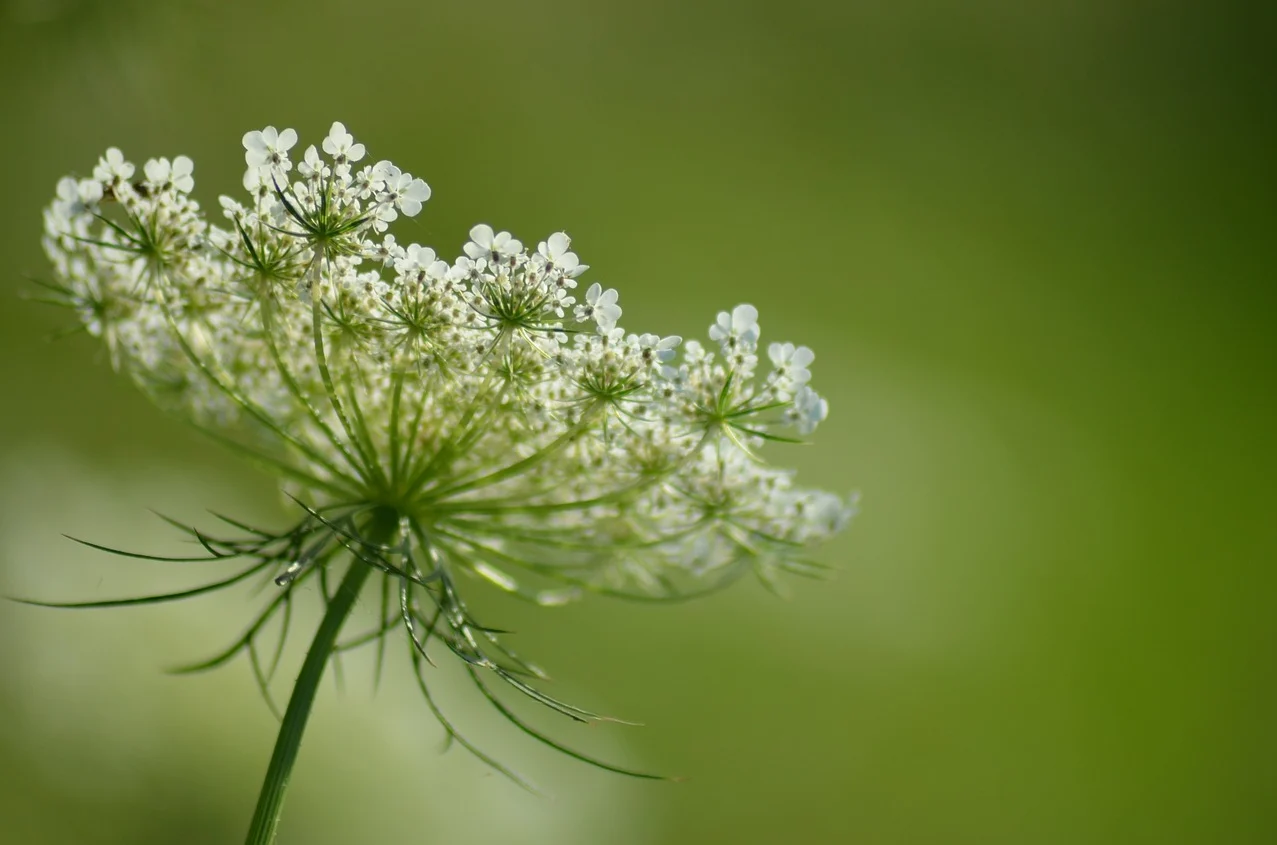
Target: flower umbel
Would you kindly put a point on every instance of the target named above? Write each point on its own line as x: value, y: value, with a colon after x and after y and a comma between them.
x: 434, y: 419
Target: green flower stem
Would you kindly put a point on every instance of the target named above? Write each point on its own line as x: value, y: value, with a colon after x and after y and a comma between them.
x: 271, y: 800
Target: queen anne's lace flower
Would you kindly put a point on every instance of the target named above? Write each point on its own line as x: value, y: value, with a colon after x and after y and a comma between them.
x: 554, y: 252
x: 789, y: 367
x: 737, y: 329
x: 400, y: 190
x: 179, y: 173
x: 269, y: 147
x: 599, y: 307
x: 510, y: 431
x: 489, y: 246
x: 112, y: 168
x: 341, y: 146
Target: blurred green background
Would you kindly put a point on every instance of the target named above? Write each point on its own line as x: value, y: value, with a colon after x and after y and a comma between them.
x: 1033, y: 247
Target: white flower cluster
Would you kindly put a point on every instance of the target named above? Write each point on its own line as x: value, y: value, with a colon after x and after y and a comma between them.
x: 488, y: 401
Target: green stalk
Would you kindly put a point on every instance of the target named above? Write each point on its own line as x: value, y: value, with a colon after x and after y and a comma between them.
x: 271, y: 799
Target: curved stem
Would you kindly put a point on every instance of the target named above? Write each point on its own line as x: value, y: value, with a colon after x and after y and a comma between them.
x: 271, y: 799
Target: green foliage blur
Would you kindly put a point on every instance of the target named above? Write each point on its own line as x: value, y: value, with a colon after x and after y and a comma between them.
x: 1032, y: 244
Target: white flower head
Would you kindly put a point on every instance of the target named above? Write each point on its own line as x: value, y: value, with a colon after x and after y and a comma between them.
x: 739, y: 329
x: 599, y: 306
x: 112, y: 167
x: 178, y: 173
x: 462, y: 270
x: 416, y: 259
x: 439, y: 419
x: 654, y: 350
x: 384, y: 251
x: 312, y: 166
x: 489, y: 245
x: 789, y: 366
x: 808, y: 410
x: 341, y: 146
x: 269, y: 148
x: 76, y: 197
x: 401, y: 191
x: 554, y: 253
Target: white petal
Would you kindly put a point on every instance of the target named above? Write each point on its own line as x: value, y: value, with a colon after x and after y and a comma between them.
x: 558, y: 245
x: 156, y: 170
x: 744, y: 317
x: 418, y: 191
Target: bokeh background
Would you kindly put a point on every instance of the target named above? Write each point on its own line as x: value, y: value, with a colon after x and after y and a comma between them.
x: 1033, y: 246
